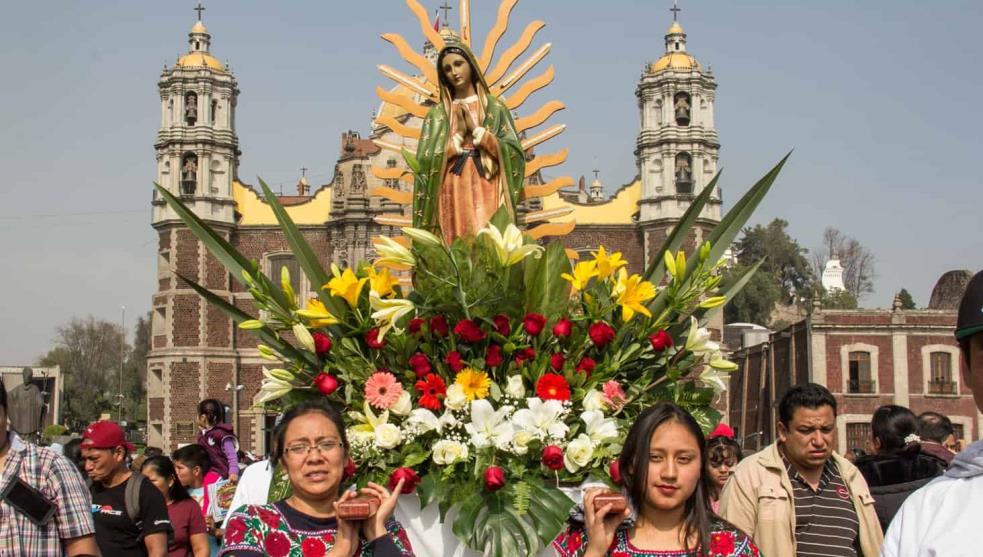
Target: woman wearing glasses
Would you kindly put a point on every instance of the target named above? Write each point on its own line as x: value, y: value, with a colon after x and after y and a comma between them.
x: 312, y: 448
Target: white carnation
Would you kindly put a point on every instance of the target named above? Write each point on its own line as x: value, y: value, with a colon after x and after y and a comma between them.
x: 514, y: 387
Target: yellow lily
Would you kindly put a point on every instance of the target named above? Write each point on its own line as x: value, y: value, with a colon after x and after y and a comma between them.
x: 368, y: 421
x: 393, y: 253
x: 607, y: 264
x: 582, y: 273
x: 631, y: 294
x: 381, y: 282
x: 317, y: 315
x: 387, y: 312
x: 345, y: 285
x: 510, y: 245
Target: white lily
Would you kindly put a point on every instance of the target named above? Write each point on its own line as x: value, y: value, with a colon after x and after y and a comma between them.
x: 368, y: 421
x: 541, y: 418
x: 599, y: 428
x: 713, y: 377
x: 392, y: 252
x: 510, y: 246
x: 422, y: 236
x: 423, y: 420
x: 698, y: 339
x: 272, y: 388
x: 594, y: 400
x: 488, y: 426
x: 387, y: 312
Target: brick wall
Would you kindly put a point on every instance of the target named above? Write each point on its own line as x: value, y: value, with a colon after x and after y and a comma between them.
x: 184, y: 331
x: 623, y: 238
x: 183, y: 394
x: 187, y: 255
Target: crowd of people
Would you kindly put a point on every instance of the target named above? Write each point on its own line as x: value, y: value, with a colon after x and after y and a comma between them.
x: 688, y: 494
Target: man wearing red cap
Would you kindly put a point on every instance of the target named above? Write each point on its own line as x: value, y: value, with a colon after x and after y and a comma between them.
x: 104, y: 451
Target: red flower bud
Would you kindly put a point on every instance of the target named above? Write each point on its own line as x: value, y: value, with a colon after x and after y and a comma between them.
x: 373, y: 340
x: 586, y: 365
x: 502, y: 325
x: 326, y: 383
x: 408, y: 474
x: 454, y: 361
x: 350, y: 469
x: 420, y: 364
x: 534, y: 323
x: 469, y: 331
x: 553, y: 457
x: 494, y: 479
x: 438, y: 325
x: 601, y: 334
x: 615, y: 471
x: 322, y: 343
x: 563, y: 328
x: 661, y: 340
x: 416, y: 324
x: 493, y: 357
x: 557, y: 360
x: 523, y: 355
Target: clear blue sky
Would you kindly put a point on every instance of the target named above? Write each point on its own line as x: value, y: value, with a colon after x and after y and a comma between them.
x: 879, y: 100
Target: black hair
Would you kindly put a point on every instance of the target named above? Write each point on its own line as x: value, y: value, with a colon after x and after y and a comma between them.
x: 326, y: 409
x: 152, y: 451
x: 3, y: 397
x: 73, y: 452
x: 718, y: 449
x: 213, y: 410
x: 891, y: 425
x: 440, y: 70
x: 634, y: 462
x: 163, y: 467
x: 810, y: 395
x: 192, y: 456
x: 934, y: 426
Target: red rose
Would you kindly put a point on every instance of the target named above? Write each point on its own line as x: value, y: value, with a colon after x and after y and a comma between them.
x: 312, y: 547
x: 494, y: 479
x: 552, y: 387
x: 431, y: 389
x: 722, y: 543
x: 438, y: 325
x: 416, y: 325
x: 586, y: 365
x: 276, y: 544
x: 373, y: 340
x: 601, y: 333
x: 420, y: 364
x: 553, y: 457
x: 326, y: 383
x: 408, y: 474
x: 350, y: 468
x: 660, y: 340
x: 557, y: 360
x: 493, y: 357
x: 469, y: 331
x: 523, y: 355
x: 534, y: 323
x: 235, y: 532
x: 502, y: 325
x: 322, y: 343
x: 454, y: 361
x: 563, y: 328
x: 614, y: 470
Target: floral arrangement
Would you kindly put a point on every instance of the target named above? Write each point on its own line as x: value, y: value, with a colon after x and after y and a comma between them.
x: 504, y: 372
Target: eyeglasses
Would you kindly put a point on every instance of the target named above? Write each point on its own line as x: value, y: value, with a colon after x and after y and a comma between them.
x: 303, y: 449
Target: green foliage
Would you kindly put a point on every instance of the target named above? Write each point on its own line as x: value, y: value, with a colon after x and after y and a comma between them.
x: 52, y: 431
x: 838, y: 299
x: 907, y: 302
x: 756, y: 301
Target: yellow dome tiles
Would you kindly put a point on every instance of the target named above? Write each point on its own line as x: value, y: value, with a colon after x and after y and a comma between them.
x: 675, y: 29
x: 255, y: 211
x: 200, y: 60
x: 199, y: 28
x: 675, y: 61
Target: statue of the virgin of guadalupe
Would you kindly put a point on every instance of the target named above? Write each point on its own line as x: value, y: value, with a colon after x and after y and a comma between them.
x: 471, y: 161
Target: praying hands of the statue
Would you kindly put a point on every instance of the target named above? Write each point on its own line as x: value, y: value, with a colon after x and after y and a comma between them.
x: 464, y: 116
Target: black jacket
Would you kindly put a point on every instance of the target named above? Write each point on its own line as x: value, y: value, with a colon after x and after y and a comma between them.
x: 893, y: 478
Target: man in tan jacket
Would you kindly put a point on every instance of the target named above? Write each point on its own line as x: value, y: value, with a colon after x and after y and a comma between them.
x: 796, y: 497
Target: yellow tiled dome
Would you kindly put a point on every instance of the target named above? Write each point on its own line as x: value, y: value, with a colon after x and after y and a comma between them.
x: 199, y: 28
x: 675, y: 61
x: 200, y: 60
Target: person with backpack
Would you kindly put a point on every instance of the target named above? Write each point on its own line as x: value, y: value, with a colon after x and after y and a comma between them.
x: 130, y: 514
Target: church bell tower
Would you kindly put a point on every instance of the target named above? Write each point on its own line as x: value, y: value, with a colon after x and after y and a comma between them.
x: 677, y: 147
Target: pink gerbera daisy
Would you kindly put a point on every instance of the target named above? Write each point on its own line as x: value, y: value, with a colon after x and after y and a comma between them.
x: 382, y: 390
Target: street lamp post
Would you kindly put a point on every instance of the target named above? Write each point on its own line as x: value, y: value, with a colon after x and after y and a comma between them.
x: 122, y: 358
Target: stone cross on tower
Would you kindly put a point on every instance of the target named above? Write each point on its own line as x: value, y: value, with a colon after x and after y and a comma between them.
x: 447, y: 8
x: 199, y: 8
x: 675, y: 10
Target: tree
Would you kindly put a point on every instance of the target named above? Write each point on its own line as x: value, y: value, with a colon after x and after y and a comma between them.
x: 783, y: 278
x: 857, y: 261
x: 89, y: 353
x: 907, y: 302
x: 135, y: 372
x: 837, y: 299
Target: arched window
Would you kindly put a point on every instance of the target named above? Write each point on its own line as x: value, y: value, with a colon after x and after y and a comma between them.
x: 681, y: 104
x: 189, y: 174
x: 684, y: 173
x: 214, y: 112
x: 288, y: 261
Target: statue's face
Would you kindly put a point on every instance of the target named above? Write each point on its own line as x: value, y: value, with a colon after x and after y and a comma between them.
x: 27, y: 374
x: 457, y: 70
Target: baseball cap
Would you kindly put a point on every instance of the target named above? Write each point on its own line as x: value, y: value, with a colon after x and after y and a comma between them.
x: 970, y: 320
x: 105, y: 435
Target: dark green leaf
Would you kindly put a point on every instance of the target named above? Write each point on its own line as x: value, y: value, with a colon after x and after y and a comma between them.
x: 546, y: 292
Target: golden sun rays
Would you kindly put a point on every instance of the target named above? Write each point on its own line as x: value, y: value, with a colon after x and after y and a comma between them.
x: 413, y: 95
